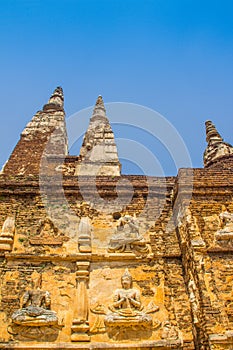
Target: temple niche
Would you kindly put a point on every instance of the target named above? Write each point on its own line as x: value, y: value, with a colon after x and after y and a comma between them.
x: 127, y: 308
x: 7, y: 234
x: 91, y: 258
x: 127, y: 316
x: 126, y: 238
x: 47, y: 234
x: 224, y: 236
x: 35, y: 319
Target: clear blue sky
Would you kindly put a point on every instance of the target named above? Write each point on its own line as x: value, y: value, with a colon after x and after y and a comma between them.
x: 174, y: 56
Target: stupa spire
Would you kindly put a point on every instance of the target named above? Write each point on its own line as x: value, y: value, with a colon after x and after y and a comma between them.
x: 98, y: 154
x: 99, y: 102
x: 212, y: 135
x: 56, y: 100
x: 99, y: 109
x: 46, y: 132
x: 216, y: 148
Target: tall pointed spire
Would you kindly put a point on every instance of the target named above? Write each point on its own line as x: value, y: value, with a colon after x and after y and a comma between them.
x: 216, y: 148
x: 46, y: 125
x: 98, y: 154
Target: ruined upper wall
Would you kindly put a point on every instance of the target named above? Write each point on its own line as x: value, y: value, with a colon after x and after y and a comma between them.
x: 70, y: 242
x: 44, y: 135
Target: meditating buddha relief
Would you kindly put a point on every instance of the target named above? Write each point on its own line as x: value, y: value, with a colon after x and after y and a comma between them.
x: 126, y: 310
x: 35, y: 318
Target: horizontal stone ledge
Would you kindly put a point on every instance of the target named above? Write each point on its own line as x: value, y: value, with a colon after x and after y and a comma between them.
x: 218, y: 338
x: 90, y: 257
x: 57, y: 189
x: 219, y: 250
x: 160, y: 344
x: 74, y: 184
x: 200, y: 191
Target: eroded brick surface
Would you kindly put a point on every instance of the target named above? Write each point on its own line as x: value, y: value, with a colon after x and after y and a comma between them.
x: 181, y: 271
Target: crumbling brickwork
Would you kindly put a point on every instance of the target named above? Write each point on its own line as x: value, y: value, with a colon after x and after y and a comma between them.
x: 112, y: 261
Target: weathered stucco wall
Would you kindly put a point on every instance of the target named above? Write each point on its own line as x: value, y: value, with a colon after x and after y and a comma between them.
x: 50, y: 248
x: 112, y: 261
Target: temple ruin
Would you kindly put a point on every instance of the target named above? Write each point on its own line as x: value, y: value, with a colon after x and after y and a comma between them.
x: 79, y: 273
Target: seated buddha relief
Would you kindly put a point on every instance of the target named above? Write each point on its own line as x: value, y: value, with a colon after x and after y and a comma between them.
x: 127, y: 306
x: 126, y: 237
x: 126, y: 315
x: 224, y: 236
x: 35, y: 310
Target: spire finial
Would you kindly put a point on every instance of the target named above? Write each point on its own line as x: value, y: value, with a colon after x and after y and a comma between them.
x: 57, y: 97
x: 99, y: 109
x: 212, y: 135
x: 216, y: 149
x: 99, y: 101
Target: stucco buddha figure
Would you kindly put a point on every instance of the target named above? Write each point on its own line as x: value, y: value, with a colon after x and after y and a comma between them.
x: 35, y: 309
x: 127, y: 307
x: 126, y: 237
x: 224, y: 236
x: 226, y: 222
x: 127, y: 299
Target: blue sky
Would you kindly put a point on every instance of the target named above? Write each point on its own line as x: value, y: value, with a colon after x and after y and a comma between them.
x: 173, y: 56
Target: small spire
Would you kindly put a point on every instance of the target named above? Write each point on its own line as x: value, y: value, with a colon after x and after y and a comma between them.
x: 212, y: 135
x: 99, y: 101
x: 99, y: 109
x: 216, y: 149
x: 98, y: 154
x: 57, y: 97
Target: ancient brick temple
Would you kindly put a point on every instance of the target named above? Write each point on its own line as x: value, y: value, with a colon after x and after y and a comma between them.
x: 80, y: 270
